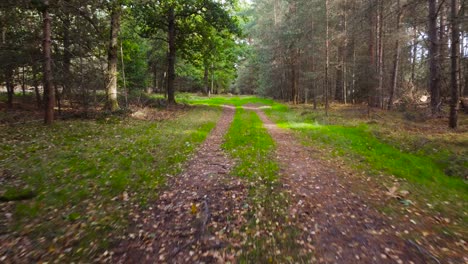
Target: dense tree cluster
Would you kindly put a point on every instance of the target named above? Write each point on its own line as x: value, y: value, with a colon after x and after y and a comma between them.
x: 72, y: 51
x: 373, y: 51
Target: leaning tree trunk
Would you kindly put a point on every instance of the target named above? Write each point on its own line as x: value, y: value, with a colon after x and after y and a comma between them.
x: 455, y: 49
x: 49, y: 92
x: 171, y: 58
x: 434, y: 71
x: 112, y: 103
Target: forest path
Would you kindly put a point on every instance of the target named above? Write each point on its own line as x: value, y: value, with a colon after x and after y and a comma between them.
x: 339, y: 224
x: 192, y: 220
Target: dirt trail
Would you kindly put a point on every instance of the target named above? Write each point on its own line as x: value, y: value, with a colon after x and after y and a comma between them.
x: 192, y: 220
x: 335, y: 222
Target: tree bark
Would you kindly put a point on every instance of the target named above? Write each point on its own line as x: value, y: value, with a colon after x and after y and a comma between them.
x: 23, y: 80
x: 49, y: 92
x: 112, y: 103
x: 434, y: 71
x: 171, y: 58
x: 380, y: 51
x: 294, y: 93
x: 36, y: 87
x: 205, y: 79
x: 455, y: 50
x: 413, y: 55
x: 443, y: 48
x: 327, y: 57
x: 396, y: 59
x: 67, y: 56
x: 10, y: 87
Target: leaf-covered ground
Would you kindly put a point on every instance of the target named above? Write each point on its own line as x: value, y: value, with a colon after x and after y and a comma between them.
x: 84, y: 177
x: 345, y: 188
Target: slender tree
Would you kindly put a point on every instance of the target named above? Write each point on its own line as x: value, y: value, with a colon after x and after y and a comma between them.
x: 111, y: 89
x: 455, y: 51
x: 396, y: 59
x: 434, y: 71
x: 49, y: 91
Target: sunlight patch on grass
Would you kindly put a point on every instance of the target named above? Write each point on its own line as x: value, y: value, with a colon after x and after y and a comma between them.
x: 300, y: 125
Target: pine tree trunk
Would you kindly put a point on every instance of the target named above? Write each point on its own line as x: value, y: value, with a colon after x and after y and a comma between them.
x: 112, y: 103
x: 171, y: 58
x: 327, y: 57
x: 396, y: 59
x: 434, y: 71
x: 455, y: 50
x: 380, y: 50
x: 10, y: 87
x: 49, y: 92
x: 36, y: 87
x: 205, y: 79
x: 413, y: 56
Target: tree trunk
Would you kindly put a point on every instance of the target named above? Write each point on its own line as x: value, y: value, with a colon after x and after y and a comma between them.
x: 10, y: 87
x: 171, y: 58
x: 112, y: 103
x: 339, y: 75
x: 434, y: 71
x: 413, y: 55
x: 23, y: 80
x: 67, y: 56
x: 205, y: 79
x: 155, y: 78
x: 396, y: 59
x: 327, y: 57
x: 293, y: 83
x: 36, y: 87
x: 443, y: 48
x: 49, y: 92
x: 455, y: 50
x: 380, y: 51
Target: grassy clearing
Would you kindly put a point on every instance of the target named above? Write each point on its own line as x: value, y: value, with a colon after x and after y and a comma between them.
x: 222, y: 100
x: 87, y: 174
x: 269, y: 238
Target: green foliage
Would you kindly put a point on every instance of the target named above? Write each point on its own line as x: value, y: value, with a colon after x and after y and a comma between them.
x: 205, y: 39
x: 135, y: 57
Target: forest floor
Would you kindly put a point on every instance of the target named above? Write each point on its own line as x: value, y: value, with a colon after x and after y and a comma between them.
x: 268, y: 183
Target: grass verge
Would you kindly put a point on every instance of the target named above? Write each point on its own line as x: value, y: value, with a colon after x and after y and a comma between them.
x: 87, y: 174
x: 428, y: 170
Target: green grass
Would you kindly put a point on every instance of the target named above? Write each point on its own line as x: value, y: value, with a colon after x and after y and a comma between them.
x: 223, y: 100
x: 248, y: 142
x: 428, y: 172
x: 83, y: 172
